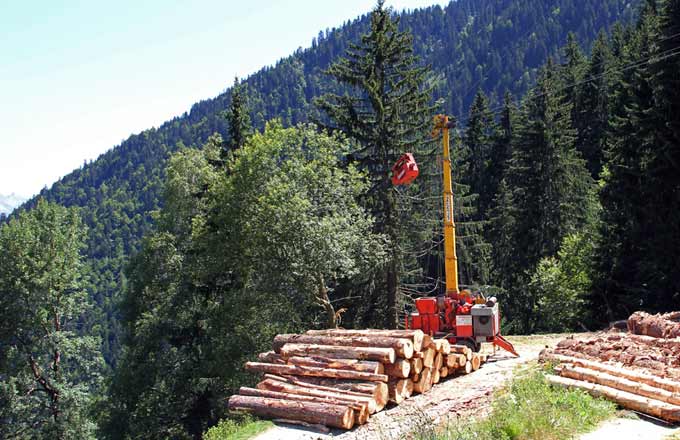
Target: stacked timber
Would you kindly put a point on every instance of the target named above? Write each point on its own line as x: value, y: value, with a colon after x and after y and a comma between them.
x: 338, y: 378
x: 637, y: 371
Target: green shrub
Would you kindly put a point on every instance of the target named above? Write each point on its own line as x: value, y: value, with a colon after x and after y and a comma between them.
x: 243, y: 429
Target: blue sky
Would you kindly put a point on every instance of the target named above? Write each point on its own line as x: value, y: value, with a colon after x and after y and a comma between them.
x: 78, y: 77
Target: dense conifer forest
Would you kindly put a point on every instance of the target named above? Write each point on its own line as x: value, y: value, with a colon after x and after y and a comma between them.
x: 268, y: 209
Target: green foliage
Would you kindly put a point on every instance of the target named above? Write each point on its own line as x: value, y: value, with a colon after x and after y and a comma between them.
x: 243, y: 429
x: 387, y: 110
x: 531, y: 409
x: 639, y: 256
x: 549, y: 194
x: 561, y: 286
x: 49, y: 373
x: 238, y: 116
x: 244, y: 250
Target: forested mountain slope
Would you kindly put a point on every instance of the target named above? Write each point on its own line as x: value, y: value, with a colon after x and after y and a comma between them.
x: 495, y: 45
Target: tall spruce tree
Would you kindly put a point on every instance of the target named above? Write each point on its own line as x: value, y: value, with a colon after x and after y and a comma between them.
x: 592, y: 117
x: 238, y: 116
x: 661, y: 265
x: 550, y: 191
x: 480, y: 136
x: 387, y: 111
x: 622, y: 286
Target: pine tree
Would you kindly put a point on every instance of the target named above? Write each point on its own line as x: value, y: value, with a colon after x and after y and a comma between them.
x: 238, y: 116
x: 592, y: 117
x: 387, y: 114
x: 625, y: 194
x: 480, y: 134
x: 551, y: 193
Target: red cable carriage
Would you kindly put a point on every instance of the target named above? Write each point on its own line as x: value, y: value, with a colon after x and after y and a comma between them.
x: 405, y: 170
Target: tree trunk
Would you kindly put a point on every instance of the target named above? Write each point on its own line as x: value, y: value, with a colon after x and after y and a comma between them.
x: 320, y: 392
x: 416, y: 336
x: 627, y: 400
x: 325, y: 302
x: 627, y: 373
x: 271, y: 357
x: 376, y: 390
x: 360, y: 409
x: 598, y: 377
x: 385, y: 355
x: 338, y: 364
x: 403, y: 347
x: 319, y: 413
x: 299, y: 370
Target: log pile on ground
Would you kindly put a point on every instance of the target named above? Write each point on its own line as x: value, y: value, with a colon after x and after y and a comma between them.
x: 636, y: 370
x: 338, y: 378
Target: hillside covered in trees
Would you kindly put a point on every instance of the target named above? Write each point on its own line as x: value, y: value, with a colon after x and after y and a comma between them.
x: 495, y: 46
x: 269, y: 209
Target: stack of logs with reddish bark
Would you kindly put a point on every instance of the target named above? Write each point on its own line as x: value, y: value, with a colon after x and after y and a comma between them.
x: 637, y: 371
x: 338, y: 378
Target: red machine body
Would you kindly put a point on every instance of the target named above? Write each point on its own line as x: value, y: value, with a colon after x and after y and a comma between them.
x: 405, y: 170
x: 461, y: 320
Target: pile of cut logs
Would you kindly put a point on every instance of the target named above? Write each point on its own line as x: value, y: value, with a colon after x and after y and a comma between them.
x: 338, y: 378
x: 637, y: 371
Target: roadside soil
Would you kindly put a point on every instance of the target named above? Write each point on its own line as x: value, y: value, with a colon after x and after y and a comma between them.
x: 458, y: 397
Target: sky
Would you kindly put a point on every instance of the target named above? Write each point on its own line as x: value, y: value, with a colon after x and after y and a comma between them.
x: 79, y: 77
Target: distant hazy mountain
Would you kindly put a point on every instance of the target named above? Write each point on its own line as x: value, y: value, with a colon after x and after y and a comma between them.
x: 8, y: 203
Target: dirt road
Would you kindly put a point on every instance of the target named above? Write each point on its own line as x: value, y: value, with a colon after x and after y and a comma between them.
x: 460, y: 396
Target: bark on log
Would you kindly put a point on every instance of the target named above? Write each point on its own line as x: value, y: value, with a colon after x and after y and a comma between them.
x: 360, y: 409
x: 631, y: 401
x: 638, y: 376
x: 403, y: 347
x: 416, y: 365
x: 620, y: 383
x: 400, y: 369
x: 416, y: 336
x: 427, y: 342
x: 438, y: 362
x: 287, y: 387
x: 377, y: 390
x: 299, y: 370
x: 658, y: 326
x: 271, y: 358
x: 338, y: 364
x: 384, y: 355
x: 336, y: 416
x: 462, y: 349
